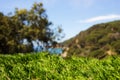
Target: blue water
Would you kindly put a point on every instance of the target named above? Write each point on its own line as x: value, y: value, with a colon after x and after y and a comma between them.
x: 55, y: 50
x: 50, y: 50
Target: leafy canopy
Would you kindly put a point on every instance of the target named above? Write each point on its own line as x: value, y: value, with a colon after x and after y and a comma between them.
x: 19, y: 31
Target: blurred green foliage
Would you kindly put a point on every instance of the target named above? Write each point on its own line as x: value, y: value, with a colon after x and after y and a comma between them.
x: 43, y: 66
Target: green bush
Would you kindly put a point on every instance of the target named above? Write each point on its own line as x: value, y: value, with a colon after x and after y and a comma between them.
x: 43, y: 66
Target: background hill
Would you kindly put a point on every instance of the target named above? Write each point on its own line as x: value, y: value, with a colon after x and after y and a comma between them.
x: 97, y: 41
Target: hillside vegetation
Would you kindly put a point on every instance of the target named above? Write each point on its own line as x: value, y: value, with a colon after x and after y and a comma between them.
x: 43, y: 66
x: 97, y: 41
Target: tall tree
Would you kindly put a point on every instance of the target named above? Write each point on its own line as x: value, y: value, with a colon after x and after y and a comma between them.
x: 25, y: 26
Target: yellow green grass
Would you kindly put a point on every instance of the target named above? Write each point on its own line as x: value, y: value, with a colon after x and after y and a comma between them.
x: 43, y: 66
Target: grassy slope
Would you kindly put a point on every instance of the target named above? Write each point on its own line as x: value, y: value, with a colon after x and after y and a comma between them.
x: 42, y: 66
x: 97, y: 40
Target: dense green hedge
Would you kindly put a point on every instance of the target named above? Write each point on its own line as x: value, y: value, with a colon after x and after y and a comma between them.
x: 42, y: 66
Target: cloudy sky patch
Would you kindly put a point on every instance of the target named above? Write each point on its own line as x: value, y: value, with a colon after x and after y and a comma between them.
x: 100, y: 18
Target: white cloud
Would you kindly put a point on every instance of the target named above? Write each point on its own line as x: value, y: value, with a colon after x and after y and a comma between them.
x: 100, y: 18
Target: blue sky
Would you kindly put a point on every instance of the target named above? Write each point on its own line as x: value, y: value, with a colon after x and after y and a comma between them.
x: 73, y: 15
